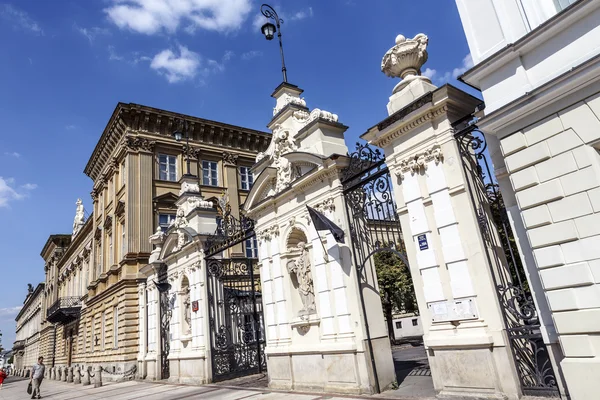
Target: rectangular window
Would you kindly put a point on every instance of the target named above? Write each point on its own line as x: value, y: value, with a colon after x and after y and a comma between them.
x: 122, y: 173
x: 209, y: 173
x: 247, y: 179
x: 251, y: 248
x: 103, y: 329
x: 562, y: 4
x: 415, y: 322
x: 398, y: 324
x: 98, y: 259
x: 164, y: 221
x: 123, y: 243
x: 92, y: 335
x: 167, y: 167
x: 115, y: 327
x: 110, y: 250
x: 84, y: 344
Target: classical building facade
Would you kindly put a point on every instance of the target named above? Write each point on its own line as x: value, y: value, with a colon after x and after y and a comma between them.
x: 26, y: 348
x: 537, y: 64
x: 93, y: 274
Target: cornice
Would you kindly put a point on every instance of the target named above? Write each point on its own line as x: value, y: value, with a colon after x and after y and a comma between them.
x: 159, y: 123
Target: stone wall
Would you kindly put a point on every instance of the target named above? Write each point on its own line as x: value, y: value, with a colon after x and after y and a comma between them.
x: 554, y: 173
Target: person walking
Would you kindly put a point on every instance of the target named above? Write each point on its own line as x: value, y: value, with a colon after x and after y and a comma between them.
x: 37, y: 376
x: 3, y: 376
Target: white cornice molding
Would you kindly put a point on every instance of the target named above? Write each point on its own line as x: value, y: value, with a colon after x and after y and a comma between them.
x: 549, y: 29
x: 547, y: 97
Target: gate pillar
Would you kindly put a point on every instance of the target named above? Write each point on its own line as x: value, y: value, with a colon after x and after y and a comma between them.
x: 315, y: 328
x: 464, y: 332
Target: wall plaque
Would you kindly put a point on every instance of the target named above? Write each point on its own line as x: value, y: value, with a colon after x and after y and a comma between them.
x: 195, y: 305
x: 423, y: 245
x: 453, y: 310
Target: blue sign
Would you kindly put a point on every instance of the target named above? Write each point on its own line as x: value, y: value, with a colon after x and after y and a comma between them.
x: 423, y: 245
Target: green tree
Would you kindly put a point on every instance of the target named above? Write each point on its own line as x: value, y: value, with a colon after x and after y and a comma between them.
x: 395, y: 287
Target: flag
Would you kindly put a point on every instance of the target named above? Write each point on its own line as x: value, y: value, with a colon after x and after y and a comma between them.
x: 322, y: 223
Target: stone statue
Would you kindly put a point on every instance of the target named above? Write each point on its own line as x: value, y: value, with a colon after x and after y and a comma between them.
x: 79, y: 219
x: 284, y: 173
x: 301, y: 268
x: 187, y: 310
x: 29, y: 288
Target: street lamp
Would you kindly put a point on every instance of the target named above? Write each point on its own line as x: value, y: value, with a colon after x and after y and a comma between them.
x: 269, y: 30
x: 180, y: 131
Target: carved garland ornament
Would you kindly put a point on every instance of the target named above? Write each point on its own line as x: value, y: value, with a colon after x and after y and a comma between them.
x: 287, y: 99
x: 136, y: 143
x: 419, y: 161
x: 268, y: 233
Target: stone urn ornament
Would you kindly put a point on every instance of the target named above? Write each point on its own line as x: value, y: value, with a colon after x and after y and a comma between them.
x: 405, y: 60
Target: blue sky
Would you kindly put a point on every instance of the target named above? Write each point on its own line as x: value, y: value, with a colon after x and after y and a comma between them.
x: 66, y: 64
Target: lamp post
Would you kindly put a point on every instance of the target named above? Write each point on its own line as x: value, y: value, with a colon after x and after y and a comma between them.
x: 180, y: 131
x: 268, y: 29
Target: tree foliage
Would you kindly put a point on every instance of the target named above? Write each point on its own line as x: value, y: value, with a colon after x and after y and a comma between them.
x: 395, y: 282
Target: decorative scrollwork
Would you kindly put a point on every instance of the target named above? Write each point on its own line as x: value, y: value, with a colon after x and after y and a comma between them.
x: 230, y: 230
x: 362, y: 160
x: 235, y: 318
x: 531, y: 356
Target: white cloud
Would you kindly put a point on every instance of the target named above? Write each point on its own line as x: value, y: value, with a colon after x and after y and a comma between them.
x: 467, y: 63
x: 9, y: 311
x: 12, y: 154
x: 443, y: 78
x: 153, y: 16
x: 70, y: 127
x: 302, y: 14
x: 9, y: 193
x: 20, y: 19
x: 112, y: 54
x: 430, y: 73
x: 175, y: 67
x: 249, y: 55
x: 91, y: 33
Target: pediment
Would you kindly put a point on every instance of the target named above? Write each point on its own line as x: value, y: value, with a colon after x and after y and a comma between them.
x: 167, y: 198
x: 171, y: 240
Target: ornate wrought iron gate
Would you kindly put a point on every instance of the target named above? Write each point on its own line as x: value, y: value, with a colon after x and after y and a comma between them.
x: 234, y: 302
x: 165, y: 337
x: 370, y: 205
x: 519, y: 311
x: 373, y: 221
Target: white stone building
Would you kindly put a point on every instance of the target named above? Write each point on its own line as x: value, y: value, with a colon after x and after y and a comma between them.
x: 537, y: 64
x: 29, y: 321
x: 407, y: 326
x: 176, y: 275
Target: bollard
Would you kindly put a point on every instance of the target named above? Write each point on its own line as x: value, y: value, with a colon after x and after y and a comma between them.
x: 64, y: 374
x: 97, y: 376
x: 53, y: 373
x: 77, y: 375
x: 70, y: 375
x: 86, y: 376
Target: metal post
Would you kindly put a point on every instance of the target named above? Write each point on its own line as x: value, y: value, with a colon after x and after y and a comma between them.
x: 269, y: 12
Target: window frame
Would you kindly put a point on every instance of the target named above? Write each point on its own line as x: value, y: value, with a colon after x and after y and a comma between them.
x: 115, y: 327
x: 415, y: 322
x: 247, y: 175
x: 253, y: 248
x: 168, y: 171
x: 171, y: 217
x: 207, y: 166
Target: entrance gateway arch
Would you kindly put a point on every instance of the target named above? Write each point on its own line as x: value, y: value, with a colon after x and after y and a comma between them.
x: 307, y: 309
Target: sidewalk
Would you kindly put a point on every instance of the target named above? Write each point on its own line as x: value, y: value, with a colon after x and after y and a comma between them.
x: 16, y: 389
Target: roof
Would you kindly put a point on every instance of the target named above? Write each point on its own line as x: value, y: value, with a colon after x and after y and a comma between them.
x: 155, y: 121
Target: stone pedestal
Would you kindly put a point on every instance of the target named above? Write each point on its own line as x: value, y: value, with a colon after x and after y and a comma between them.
x: 77, y: 375
x: 86, y: 376
x: 464, y: 331
x: 315, y: 328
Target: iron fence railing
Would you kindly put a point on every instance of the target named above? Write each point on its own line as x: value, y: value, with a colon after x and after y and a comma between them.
x: 64, y: 303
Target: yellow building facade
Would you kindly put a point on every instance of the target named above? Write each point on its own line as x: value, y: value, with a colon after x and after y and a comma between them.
x: 92, y: 275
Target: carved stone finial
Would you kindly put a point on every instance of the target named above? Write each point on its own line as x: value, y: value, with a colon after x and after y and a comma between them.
x: 405, y: 60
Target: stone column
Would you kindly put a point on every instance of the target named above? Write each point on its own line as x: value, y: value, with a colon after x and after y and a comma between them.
x: 461, y: 315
